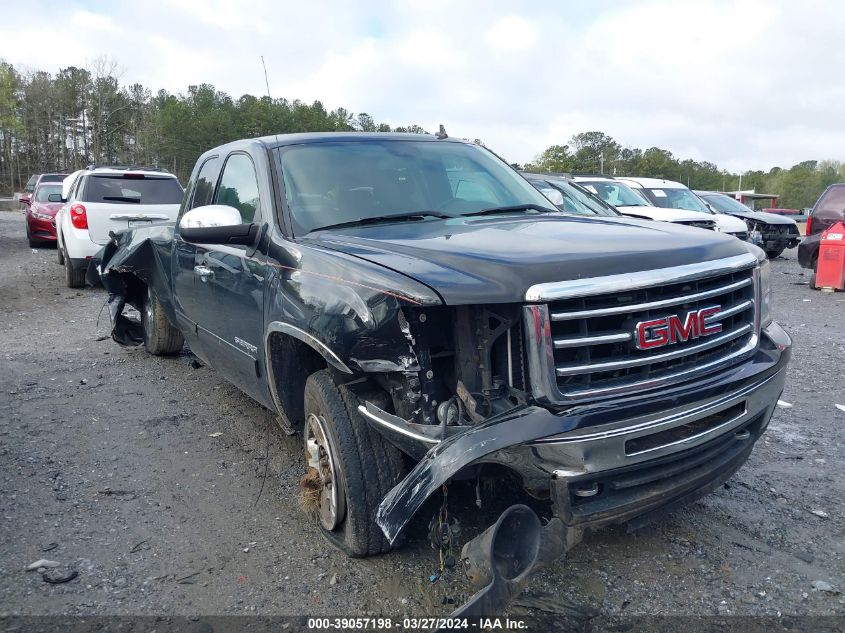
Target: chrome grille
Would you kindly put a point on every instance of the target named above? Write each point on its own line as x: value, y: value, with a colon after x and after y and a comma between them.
x: 586, y: 344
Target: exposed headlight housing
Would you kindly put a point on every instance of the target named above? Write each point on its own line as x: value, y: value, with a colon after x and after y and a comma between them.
x: 765, y: 293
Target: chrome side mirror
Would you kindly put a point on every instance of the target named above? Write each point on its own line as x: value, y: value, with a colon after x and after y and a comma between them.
x: 216, y: 224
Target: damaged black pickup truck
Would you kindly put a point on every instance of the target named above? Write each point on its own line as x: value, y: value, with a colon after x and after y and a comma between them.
x: 416, y: 309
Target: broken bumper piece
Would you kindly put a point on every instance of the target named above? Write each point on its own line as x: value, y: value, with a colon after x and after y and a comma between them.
x: 503, y: 558
x: 449, y: 455
x: 610, y: 462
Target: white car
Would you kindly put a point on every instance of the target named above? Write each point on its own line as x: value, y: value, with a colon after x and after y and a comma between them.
x: 622, y: 197
x: 673, y: 195
x: 98, y: 200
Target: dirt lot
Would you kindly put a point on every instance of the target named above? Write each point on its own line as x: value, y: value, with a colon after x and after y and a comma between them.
x: 111, y: 465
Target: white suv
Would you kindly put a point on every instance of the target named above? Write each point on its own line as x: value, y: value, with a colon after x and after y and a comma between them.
x: 99, y: 200
x: 635, y: 205
x: 673, y: 195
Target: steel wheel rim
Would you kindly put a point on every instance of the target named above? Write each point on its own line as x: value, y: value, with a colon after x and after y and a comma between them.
x: 148, y: 311
x: 319, y: 456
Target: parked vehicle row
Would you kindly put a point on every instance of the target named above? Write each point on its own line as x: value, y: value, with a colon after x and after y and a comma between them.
x: 643, y: 198
x: 673, y: 195
x: 618, y: 194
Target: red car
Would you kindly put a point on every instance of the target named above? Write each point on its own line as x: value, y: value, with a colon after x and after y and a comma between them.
x: 45, y: 202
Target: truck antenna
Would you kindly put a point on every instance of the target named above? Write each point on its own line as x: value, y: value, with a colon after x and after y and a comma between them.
x: 267, y: 84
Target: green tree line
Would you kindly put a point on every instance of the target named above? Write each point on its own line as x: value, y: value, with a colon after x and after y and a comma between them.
x: 596, y: 152
x: 80, y: 116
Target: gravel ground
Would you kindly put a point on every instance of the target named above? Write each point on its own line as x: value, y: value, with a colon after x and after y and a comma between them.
x: 145, y: 476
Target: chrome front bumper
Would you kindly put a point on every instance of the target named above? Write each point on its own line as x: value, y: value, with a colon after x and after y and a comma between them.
x: 643, y: 438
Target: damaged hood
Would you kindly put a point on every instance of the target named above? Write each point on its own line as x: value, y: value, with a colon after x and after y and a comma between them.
x: 496, y: 259
x: 762, y: 216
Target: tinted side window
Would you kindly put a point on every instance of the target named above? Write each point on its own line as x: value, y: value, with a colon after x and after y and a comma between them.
x: 239, y: 186
x: 206, y: 179
x: 833, y: 202
x: 75, y: 188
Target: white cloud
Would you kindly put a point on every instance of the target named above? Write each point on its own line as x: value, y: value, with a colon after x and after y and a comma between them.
x: 89, y: 21
x: 745, y: 84
x: 512, y: 33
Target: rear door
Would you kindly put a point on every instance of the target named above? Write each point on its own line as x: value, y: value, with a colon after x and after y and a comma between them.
x: 116, y: 201
x: 189, y: 295
x: 230, y: 284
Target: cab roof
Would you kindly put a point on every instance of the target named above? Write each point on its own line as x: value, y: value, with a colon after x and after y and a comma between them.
x: 279, y: 140
x: 301, y: 138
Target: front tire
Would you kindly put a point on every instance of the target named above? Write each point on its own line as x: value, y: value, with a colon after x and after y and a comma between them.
x: 775, y: 253
x: 350, y: 468
x: 160, y: 338
x: 32, y: 243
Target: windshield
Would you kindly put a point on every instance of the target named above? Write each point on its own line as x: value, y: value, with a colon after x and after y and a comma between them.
x: 614, y: 193
x: 133, y: 189
x: 726, y: 204
x: 43, y: 192
x: 574, y: 199
x: 350, y: 181
x: 677, y: 199
x: 51, y: 178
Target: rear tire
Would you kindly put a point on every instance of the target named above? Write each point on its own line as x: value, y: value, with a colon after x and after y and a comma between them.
x: 75, y: 277
x: 775, y: 253
x: 363, y: 464
x: 60, y: 254
x: 160, y: 338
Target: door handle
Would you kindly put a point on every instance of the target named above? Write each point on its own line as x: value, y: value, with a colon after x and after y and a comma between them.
x: 204, y: 272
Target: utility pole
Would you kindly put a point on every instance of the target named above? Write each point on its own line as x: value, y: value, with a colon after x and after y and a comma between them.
x: 601, y: 163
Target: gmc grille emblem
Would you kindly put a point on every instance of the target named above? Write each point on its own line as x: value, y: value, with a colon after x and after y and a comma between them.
x: 675, y: 329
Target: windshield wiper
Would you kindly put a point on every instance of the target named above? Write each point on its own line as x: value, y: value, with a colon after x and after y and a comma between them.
x: 123, y: 199
x: 383, y: 219
x: 512, y: 208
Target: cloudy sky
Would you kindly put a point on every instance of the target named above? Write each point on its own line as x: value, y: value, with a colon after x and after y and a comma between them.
x: 745, y: 84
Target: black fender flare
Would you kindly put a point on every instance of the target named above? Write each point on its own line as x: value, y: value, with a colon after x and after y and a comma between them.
x: 308, y: 339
